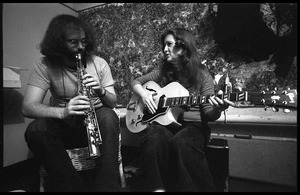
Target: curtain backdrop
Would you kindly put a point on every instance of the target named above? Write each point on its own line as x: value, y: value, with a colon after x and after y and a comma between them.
x: 128, y: 38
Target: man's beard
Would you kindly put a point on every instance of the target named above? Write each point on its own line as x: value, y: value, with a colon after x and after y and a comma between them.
x: 71, y: 55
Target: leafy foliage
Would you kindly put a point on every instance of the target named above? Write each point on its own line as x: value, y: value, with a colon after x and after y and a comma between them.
x: 128, y: 38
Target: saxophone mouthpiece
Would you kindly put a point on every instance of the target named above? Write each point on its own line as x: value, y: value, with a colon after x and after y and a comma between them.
x: 78, y: 56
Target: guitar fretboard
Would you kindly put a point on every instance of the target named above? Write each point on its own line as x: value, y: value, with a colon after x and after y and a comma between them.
x: 200, y: 99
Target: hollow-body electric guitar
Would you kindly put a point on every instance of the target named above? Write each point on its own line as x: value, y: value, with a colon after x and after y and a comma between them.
x: 172, y: 99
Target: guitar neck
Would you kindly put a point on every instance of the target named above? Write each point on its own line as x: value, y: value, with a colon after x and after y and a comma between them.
x: 200, y: 99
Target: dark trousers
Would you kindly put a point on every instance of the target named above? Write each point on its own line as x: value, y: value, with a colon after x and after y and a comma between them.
x: 48, y: 139
x: 175, y: 160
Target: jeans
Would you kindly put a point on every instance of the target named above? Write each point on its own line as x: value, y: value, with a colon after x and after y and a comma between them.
x: 175, y: 160
x: 48, y: 139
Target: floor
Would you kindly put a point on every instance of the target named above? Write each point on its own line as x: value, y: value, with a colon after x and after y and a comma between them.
x: 24, y: 177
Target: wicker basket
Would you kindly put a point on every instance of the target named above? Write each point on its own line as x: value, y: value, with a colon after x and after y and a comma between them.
x: 80, y: 159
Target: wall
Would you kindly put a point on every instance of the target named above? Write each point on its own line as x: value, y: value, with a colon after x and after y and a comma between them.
x: 24, y: 25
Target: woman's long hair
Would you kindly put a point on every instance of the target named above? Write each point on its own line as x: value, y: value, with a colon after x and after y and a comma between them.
x: 53, y: 43
x: 190, y: 69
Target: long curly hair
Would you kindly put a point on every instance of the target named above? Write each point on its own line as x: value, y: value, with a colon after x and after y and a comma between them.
x: 53, y: 45
x: 190, y: 71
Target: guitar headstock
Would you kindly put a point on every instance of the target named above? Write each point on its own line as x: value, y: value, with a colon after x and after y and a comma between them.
x: 272, y: 98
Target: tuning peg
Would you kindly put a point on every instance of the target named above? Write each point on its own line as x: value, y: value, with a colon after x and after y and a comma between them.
x: 274, y: 91
x: 275, y: 109
x: 263, y: 101
x: 286, y: 110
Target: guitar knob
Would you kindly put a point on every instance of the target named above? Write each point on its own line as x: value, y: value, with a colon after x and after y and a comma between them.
x: 133, y: 121
x: 139, y: 116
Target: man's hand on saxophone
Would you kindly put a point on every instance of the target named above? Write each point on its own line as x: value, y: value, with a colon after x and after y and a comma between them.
x: 92, y: 82
x: 77, y: 106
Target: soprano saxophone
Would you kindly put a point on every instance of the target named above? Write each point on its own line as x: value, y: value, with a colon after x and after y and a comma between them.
x: 90, y: 120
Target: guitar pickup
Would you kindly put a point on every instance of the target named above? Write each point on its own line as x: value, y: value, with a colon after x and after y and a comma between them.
x: 131, y: 106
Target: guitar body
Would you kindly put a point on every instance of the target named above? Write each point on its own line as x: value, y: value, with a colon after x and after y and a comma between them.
x: 138, y: 117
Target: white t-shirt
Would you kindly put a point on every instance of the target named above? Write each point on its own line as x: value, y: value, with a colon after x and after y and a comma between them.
x: 62, y: 82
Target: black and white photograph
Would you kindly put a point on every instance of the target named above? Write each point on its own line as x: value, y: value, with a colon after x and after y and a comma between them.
x: 149, y: 97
